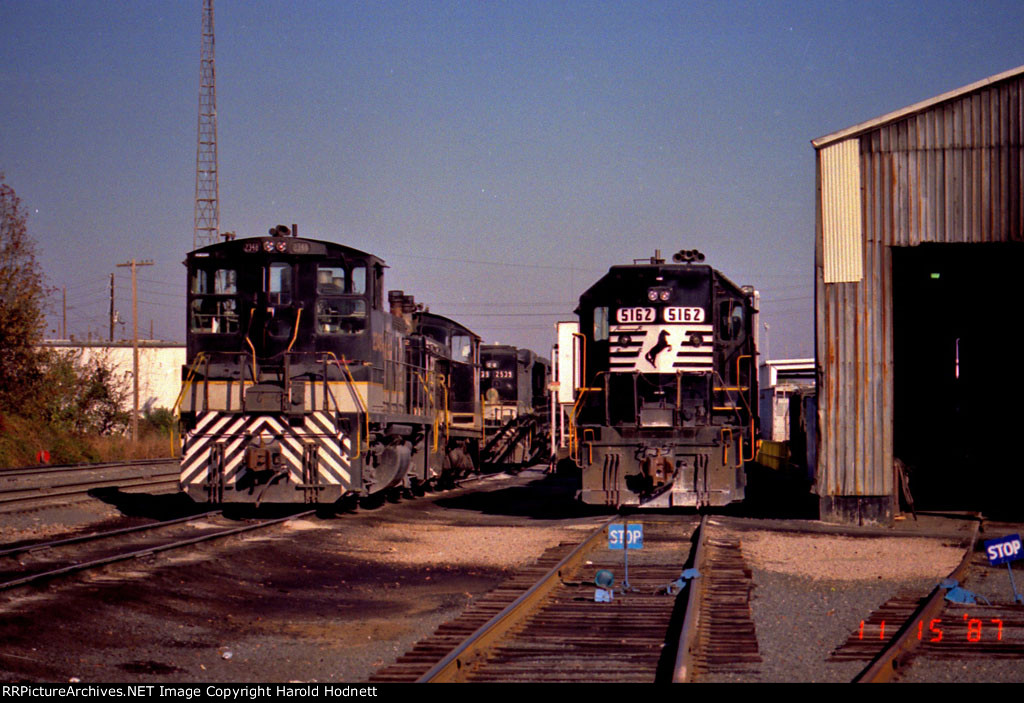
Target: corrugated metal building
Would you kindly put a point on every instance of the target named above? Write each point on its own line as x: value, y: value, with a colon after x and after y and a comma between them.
x: 944, y: 171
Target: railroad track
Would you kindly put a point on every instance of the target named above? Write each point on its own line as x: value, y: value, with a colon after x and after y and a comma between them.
x: 43, y: 561
x: 911, y: 627
x: 26, y: 488
x: 718, y: 635
x: 544, y: 624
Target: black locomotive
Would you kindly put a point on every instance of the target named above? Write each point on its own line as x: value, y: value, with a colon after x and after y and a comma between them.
x: 666, y: 401
x: 513, y: 381
x: 300, y: 386
x: 516, y: 413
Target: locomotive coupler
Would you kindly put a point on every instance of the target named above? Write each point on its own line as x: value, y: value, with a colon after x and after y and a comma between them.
x: 264, y: 457
x: 657, y: 466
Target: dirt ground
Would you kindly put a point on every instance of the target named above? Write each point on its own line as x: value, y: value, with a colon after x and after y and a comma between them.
x: 315, y: 600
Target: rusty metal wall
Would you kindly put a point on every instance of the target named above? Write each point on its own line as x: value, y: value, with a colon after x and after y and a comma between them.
x: 951, y: 172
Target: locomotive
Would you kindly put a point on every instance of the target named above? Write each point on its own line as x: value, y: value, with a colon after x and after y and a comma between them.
x: 299, y: 386
x: 513, y: 381
x: 665, y: 385
x: 516, y: 414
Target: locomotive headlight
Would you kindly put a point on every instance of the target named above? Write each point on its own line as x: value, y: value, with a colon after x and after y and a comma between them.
x: 664, y: 295
x: 652, y: 295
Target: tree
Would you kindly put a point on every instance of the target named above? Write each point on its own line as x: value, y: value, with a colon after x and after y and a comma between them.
x: 22, y: 292
x: 84, y: 396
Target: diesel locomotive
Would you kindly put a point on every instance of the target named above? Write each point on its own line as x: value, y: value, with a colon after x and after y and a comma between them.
x: 665, y: 385
x: 513, y: 381
x: 301, y: 386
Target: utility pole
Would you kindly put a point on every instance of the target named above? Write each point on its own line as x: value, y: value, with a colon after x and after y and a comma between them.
x: 207, y: 210
x: 64, y: 312
x: 135, y: 345
x: 111, y: 307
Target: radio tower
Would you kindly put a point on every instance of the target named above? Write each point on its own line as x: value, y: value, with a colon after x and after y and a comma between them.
x: 207, y: 226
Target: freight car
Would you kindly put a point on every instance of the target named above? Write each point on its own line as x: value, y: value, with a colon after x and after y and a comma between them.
x: 301, y: 387
x: 665, y: 385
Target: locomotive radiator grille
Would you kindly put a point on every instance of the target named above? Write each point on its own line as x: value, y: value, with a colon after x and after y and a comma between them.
x: 238, y: 432
x: 661, y: 348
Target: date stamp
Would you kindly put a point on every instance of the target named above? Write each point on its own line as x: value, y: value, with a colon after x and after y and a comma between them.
x: 970, y: 630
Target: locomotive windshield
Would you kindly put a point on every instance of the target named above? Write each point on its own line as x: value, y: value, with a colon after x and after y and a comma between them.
x: 337, y: 310
x: 214, y: 308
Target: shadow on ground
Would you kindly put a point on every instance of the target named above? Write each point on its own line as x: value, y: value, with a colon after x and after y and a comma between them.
x: 550, y: 497
x: 160, y: 506
x: 776, y: 494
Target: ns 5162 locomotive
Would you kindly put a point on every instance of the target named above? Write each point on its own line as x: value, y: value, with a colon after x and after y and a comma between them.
x: 666, y: 392
x: 300, y: 386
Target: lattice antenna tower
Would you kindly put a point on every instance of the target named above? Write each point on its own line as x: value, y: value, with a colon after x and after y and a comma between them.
x: 207, y: 223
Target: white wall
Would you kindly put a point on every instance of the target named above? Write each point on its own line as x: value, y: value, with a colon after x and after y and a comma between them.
x: 159, y: 369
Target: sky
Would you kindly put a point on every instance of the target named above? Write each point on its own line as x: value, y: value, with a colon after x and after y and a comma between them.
x: 499, y: 156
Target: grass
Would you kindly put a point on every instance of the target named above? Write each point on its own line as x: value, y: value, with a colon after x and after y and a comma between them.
x: 21, y: 441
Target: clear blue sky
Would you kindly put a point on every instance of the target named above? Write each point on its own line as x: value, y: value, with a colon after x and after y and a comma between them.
x: 498, y: 155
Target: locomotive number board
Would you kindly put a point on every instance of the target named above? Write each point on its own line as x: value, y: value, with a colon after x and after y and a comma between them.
x: 671, y: 314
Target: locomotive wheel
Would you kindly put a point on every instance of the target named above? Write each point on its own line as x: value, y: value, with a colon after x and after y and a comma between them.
x: 417, y: 487
x: 458, y: 463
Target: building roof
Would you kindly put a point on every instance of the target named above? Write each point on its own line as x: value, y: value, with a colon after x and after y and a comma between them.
x: 915, y: 108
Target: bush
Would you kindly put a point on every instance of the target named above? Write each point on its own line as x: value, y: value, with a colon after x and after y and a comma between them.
x: 83, y: 397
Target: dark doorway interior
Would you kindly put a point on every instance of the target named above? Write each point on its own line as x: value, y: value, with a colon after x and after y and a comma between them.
x: 958, y: 381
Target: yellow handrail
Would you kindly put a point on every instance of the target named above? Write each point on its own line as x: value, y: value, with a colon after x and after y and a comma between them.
x: 188, y: 382
x: 295, y: 332
x: 249, y: 342
x: 447, y: 430
x: 343, y: 365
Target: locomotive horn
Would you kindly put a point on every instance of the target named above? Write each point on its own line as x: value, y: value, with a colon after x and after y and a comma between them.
x: 687, y: 256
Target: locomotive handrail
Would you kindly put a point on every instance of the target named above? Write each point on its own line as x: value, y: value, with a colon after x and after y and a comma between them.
x: 295, y: 332
x: 750, y: 411
x: 188, y: 382
x: 725, y: 445
x: 342, y: 365
x: 735, y: 408
x: 255, y: 378
x: 574, y: 439
x: 447, y: 420
x: 425, y: 385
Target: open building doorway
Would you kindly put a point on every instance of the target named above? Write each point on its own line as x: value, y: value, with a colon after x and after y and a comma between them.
x: 959, y: 375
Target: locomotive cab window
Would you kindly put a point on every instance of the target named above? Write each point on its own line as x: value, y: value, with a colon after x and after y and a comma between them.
x: 359, y: 279
x: 340, y: 315
x: 210, y: 310
x: 732, y: 320
x: 330, y: 280
x: 214, y: 315
x: 462, y: 348
x: 600, y: 324
x: 215, y: 282
x: 279, y: 283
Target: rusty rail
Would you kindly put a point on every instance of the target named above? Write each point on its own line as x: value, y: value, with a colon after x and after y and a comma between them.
x: 887, y: 663
x: 455, y: 666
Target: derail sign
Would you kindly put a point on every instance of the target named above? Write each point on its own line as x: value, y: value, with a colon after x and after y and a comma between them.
x: 1004, y: 549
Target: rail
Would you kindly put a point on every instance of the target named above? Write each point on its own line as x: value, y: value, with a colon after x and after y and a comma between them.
x: 546, y: 623
x: 147, y: 550
x: 685, y: 652
x: 887, y: 663
x: 453, y: 667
